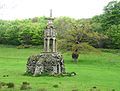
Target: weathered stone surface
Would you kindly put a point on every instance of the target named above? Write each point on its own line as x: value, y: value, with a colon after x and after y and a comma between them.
x: 50, y: 63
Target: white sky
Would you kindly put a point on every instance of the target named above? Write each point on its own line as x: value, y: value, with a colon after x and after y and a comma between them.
x: 19, y: 9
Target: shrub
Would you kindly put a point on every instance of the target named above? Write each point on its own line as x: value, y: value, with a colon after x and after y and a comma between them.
x: 5, y: 75
x: 94, y: 87
x: 55, y: 86
x: 2, y: 83
x: 25, y: 86
x: 10, y: 85
x: 113, y: 89
x: 26, y: 83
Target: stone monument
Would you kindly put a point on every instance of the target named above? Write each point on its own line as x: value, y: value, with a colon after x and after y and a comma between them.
x: 50, y: 61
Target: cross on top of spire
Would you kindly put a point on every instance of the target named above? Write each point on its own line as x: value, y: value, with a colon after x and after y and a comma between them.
x: 50, y: 20
x: 50, y: 12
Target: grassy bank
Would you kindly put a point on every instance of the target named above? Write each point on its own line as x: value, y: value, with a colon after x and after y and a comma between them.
x: 93, y: 69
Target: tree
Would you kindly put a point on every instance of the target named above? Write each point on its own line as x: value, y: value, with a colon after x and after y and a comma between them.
x: 110, y: 23
x: 63, y: 24
x: 96, y: 23
x: 111, y: 15
x: 114, y: 36
x: 81, y: 32
x: 27, y: 31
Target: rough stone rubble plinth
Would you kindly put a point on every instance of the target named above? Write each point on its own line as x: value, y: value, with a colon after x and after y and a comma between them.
x: 45, y: 63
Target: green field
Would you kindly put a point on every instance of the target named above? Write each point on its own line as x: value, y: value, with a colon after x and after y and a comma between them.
x: 94, y: 69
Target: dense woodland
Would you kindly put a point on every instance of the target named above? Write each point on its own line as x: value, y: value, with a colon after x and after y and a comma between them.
x: 101, y: 31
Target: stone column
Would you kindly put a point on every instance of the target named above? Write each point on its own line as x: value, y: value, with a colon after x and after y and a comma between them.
x: 59, y: 69
x: 54, y: 45
x: 45, y: 45
x: 51, y: 32
x: 48, y: 44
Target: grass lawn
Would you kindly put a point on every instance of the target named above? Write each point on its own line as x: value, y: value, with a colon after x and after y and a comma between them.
x: 94, y: 69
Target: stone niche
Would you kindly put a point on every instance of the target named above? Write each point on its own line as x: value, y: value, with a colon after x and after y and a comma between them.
x: 45, y: 63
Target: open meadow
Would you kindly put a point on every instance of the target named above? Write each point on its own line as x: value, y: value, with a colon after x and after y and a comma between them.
x: 100, y: 70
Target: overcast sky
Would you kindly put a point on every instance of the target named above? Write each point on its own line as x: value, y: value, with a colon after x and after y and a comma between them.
x: 19, y: 9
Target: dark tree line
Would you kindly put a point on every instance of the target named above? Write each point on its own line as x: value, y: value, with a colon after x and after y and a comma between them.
x: 99, y: 31
x: 28, y: 31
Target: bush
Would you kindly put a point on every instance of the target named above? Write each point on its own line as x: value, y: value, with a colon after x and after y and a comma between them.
x: 113, y: 90
x: 25, y: 86
x: 5, y: 75
x: 2, y: 83
x: 55, y: 86
x: 10, y: 85
x: 26, y: 83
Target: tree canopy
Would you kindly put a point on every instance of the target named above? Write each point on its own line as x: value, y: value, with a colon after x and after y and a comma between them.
x: 99, y: 31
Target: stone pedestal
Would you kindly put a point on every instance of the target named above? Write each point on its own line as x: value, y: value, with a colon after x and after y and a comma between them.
x: 45, y: 63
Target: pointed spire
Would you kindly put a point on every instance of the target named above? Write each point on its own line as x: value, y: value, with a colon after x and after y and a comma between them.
x: 50, y: 12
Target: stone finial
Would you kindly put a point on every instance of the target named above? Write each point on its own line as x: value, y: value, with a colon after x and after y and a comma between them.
x: 50, y: 12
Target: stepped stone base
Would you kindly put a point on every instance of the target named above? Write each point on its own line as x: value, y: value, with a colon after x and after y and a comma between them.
x: 45, y: 63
